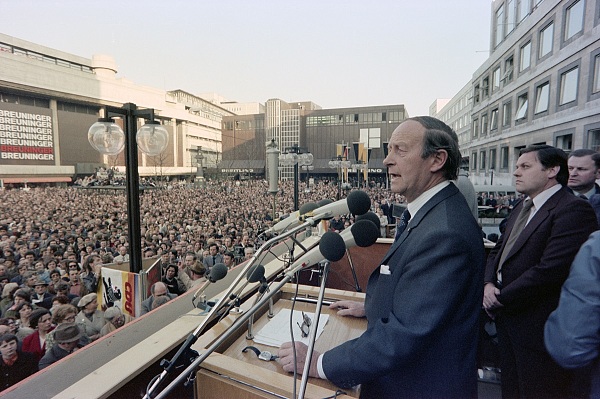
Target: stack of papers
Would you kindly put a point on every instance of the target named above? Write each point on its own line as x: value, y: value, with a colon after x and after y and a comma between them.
x: 277, y: 330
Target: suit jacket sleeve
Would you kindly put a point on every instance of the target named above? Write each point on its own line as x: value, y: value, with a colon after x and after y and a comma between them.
x: 572, y: 332
x: 424, y: 297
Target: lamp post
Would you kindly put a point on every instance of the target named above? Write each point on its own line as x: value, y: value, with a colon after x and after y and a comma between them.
x: 339, y: 163
x: 272, y: 155
x: 359, y: 166
x: 108, y: 139
x: 296, y: 156
x: 199, y: 169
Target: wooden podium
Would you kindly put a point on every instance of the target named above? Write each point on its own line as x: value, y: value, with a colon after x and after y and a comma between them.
x: 229, y: 373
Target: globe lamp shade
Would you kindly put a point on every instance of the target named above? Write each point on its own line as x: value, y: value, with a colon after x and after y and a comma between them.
x: 106, y: 137
x: 152, y: 138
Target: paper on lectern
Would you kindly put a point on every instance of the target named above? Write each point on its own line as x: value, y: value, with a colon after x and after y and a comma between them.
x: 277, y: 329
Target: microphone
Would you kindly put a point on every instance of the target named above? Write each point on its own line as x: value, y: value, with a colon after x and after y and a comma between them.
x: 217, y: 272
x: 333, y: 246
x: 255, y: 274
x: 292, y: 220
x: 371, y: 216
x: 357, y: 203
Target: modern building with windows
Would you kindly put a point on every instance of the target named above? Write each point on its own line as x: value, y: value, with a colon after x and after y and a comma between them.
x: 358, y: 134
x: 49, y: 99
x: 540, y: 85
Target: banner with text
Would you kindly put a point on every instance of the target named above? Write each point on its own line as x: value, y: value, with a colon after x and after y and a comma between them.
x: 26, y: 135
x: 121, y: 289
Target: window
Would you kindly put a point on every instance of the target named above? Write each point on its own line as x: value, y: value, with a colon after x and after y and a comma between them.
x: 510, y: 16
x: 476, y: 94
x: 508, y: 70
x: 475, y: 132
x: 474, y: 160
x: 499, y: 25
x: 496, y: 79
x: 564, y: 142
x: 504, y: 158
x: 485, y: 87
x: 568, y: 86
x: 594, y: 139
x: 494, y: 119
x: 574, y: 20
x: 523, y: 9
x: 546, y: 37
x: 506, y: 113
x: 482, y: 160
x: 484, y: 124
x: 525, y: 56
x: 492, y: 158
x: 542, y: 98
x: 521, y: 107
x: 596, y: 84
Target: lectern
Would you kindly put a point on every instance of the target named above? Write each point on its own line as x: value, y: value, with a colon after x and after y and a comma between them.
x: 230, y: 373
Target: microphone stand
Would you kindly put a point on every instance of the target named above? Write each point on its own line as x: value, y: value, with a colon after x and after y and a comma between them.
x: 324, y: 268
x: 193, y: 337
x: 264, y: 287
x: 239, y: 322
x: 356, y: 284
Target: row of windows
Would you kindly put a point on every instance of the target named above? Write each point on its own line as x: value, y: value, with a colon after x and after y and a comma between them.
x: 78, y: 108
x: 486, y: 159
x: 7, y: 48
x: 568, y: 88
x: 24, y: 100
x: 354, y: 118
x: 572, y: 27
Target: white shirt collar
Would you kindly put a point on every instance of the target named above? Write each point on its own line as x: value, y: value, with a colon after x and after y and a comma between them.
x: 422, y: 199
x: 542, y: 197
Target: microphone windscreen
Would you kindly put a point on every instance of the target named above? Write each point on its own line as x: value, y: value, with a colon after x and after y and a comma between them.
x: 332, y: 246
x: 255, y: 273
x: 365, y: 233
x: 217, y: 272
x: 324, y: 202
x: 370, y: 216
x: 358, y: 202
x: 307, y: 208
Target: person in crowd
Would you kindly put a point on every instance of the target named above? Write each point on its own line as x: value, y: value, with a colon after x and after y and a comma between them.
x: 66, y: 336
x: 15, y: 365
x: 584, y: 170
x: 41, y: 321
x: 572, y: 331
x: 229, y: 259
x: 24, y: 311
x: 160, y: 301
x: 468, y: 191
x: 122, y: 257
x: 75, y: 287
x: 157, y: 290
x: 62, y: 314
x: 90, y: 318
x: 196, y: 272
x: 527, y: 267
x: 423, y: 302
x: 248, y: 253
x: 8, y: 292
x: 90, y: 273
x: 19, y: 297
x: 213, y: 257
x: 174, y: 285
x: 114, y: 319
x: 40, y: 296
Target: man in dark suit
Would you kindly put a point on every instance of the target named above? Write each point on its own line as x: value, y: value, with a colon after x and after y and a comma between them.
x: 527, y: 267
x: 422, y: 304
x: 584, y: 170
x: 157, y: 290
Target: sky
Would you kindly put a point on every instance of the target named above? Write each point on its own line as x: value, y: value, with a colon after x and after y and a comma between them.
x: 335, y: 53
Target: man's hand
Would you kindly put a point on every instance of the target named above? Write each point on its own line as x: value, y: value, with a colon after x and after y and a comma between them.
x: 490, y: 299
x: 286, y: 358
x: 349, y: 308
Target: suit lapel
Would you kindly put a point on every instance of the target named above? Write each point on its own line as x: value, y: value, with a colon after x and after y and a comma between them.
x: 536, y: 221
x: 416, y: 219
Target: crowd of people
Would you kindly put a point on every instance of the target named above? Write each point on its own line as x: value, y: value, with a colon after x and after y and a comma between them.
x: 53, y: 242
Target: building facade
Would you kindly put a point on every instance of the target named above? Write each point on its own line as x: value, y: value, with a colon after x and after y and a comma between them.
x: 49, y: 99
x: 540, y: 84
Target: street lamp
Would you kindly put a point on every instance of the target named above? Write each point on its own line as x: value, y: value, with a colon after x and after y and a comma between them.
x: 108, y: 139
x: 359, y: 166
x: 339, y: 163
x: 296, y: 156
x: 199, y: 169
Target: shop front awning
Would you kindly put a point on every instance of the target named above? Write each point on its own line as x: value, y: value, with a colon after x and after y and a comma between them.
x: 37, y: 179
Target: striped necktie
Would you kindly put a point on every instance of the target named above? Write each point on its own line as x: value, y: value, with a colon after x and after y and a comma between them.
x: 516, y: 231
x: 401, y: 226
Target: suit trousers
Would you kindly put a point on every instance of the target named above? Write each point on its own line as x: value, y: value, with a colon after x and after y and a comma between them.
x: 538, y: 374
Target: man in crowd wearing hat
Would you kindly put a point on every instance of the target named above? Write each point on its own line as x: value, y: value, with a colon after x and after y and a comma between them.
x: 195, y: 268
x: 90, y: 318
x: 15, y: 365
x: 114, y: 319
x: 157, y: 290
x: 66, y: 337
x: 40, y: 295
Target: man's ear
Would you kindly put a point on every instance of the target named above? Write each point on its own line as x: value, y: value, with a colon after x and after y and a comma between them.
x: 553, y: 171
x: 438, y: 160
